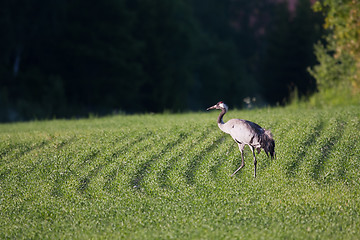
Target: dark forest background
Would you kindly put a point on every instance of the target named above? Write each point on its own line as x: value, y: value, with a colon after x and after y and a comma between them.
x: 71, y: 58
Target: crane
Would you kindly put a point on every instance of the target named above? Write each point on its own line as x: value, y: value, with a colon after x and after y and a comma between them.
x: 246, y: 133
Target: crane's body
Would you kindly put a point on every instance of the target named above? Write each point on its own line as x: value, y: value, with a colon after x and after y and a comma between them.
x: 246, y: 133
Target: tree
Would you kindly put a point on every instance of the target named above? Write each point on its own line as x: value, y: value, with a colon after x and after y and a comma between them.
x: 168, y: 33
x: 288, y: 52
x: 69, y: 58
x: 339, y: 58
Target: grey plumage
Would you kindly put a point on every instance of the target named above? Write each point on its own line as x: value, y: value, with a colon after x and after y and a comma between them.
x: 246, y: 133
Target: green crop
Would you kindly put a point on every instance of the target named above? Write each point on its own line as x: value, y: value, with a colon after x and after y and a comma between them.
x: 166, y: 176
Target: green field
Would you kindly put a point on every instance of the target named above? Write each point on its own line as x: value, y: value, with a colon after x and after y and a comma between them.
x: 166, y: 176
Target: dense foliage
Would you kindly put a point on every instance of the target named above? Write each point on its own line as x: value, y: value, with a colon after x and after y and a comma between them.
x: 154, y: 177
x: 338, y: 71
x: 69, y: 58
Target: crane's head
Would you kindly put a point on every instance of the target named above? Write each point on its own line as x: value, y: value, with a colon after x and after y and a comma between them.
x: 220, y: 105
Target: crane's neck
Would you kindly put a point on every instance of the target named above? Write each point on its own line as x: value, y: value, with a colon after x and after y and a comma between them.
x: 220, y: 118
x: 220, y: 121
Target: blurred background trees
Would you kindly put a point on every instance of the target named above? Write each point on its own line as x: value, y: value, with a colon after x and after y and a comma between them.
x: 338, y: 71
x: 71, y: 58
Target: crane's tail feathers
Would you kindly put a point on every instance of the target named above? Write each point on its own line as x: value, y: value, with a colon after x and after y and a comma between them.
x: 268, y: 143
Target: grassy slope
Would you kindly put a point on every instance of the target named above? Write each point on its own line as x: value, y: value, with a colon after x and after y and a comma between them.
x: 168, y: 176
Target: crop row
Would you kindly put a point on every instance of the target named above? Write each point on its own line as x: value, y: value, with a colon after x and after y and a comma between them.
x: 168, y: 176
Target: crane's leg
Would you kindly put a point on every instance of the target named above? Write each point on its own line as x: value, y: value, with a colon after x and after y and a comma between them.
x: 242, y: 160
x: 255, y: 162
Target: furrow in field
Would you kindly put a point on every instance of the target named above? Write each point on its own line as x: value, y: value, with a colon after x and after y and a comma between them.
x: 319, y: 151
x: 111, y: 162
x: 32, y: 158
x: 209, y: 171
x: 7, y: 147
x: 173, y: 181
x: 173, y: 176
x: 18, y: 150
x: 33, y: 171
x: 102, y: 172
x: 136, y: 157
x: 299, y: 142
x: 146, y: 167
x: 66, y: 160
x: 332, y: 137
x: 157, y: 173
x: 351, y: 163
x: 200, y: 158
x: 197, y: 154
x: 81, y: 159
x: 221, y: 157
x: 162, y: 173
x: 340, y: 164
x: 13, y: 149
x: 115, y: 167
x: 92, y: 177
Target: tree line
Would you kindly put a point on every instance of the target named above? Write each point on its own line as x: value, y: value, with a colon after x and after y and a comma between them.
x: 72, y: 58
x: 337, y: 72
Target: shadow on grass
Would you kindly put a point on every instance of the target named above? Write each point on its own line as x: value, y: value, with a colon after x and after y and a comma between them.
x: 143, y: 170
x: 111, y: 177
x: 37, y: 165
x: 84, y: 182
x: 67, y: 173
x: 163, y: 175
x: 84, y: 161
x: 23, y: 149
x: 214, y: 169
x: 326, y: 150
x: 293, y: 166
x: 342, y: 170
x: 193, y: 165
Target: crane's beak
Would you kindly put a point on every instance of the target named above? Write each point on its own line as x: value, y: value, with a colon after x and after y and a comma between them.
x: 213, y: 107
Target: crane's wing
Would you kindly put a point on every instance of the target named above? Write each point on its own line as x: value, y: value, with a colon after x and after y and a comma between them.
x: 245, y: 132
